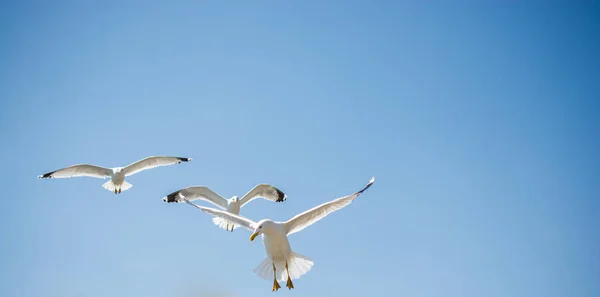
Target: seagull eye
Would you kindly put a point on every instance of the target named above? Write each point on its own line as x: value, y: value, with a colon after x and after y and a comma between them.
x: 259, y: 227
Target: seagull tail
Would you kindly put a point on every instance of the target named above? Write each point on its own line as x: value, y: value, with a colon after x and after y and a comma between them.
x: 110, y: 186
x: 224, y: 224
x: 298, y: 265
x: 125, y: 186
x: 265, y: 269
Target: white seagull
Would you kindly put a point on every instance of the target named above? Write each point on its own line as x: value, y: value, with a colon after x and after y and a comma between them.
x: 274, y: 235
x: 232, y: 205
x: 117, y: 175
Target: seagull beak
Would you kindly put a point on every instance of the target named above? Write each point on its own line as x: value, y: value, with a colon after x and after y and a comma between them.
x: 253, y: 236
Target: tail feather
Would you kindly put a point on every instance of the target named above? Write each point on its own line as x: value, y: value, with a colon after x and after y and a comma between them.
x: 125, y: 186
x: 265, y: 269
x: 224, y: 224
x: 109, y: 185
x: 298, y: 265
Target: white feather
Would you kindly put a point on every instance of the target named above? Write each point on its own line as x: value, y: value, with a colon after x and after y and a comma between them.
x: 275, y: 241
x: 117, y: 174
x: 152, y: 162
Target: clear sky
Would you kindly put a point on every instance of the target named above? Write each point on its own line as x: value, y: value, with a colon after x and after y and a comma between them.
x: 479, y: 122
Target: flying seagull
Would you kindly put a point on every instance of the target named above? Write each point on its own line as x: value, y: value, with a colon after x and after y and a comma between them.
x: 232, y: 205
x: 274, y: 235
x: 117, y: 175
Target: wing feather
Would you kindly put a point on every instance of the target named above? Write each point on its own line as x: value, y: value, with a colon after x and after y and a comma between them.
x: 196, y: 193
x: 314, y: 214
x: 79, y: 170
x: 152, y: 162
x: 264, y: 191
x: 236, y: 219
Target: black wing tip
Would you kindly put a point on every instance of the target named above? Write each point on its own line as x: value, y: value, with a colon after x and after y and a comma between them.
x: 281, y: 196
x: 171, y: 197
x: 185, y: 159
x: 47, y: 175
x: 368, y: 185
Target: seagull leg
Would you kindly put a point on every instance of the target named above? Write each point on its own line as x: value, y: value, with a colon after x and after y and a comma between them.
x: 115, y: 190
x: 289, y: 284
x: 119, y: 190
x: 276, y: 285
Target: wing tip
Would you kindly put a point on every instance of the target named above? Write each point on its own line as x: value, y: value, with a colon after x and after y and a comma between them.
x: 181, y: 159
x: 46, y: 175
x: 281, y: 196
x: 371, y: 181
x: 171, y: 197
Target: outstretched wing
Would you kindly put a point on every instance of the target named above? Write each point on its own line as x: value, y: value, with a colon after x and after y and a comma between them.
x: 238, y: 220
x: 79, y: 170
x: 152, y: 162
x: 195, y: 193
x: 263, y: 191
x: 311, y: 216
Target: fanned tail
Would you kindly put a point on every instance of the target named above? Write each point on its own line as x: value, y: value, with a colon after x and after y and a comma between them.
x: 264, y: 270
x: 298, y: 265
x: 125, y: 186
x: 224, y: 224
x: 109, y: 185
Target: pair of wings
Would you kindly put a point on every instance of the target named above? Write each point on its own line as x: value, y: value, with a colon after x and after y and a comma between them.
x: 101, y: 172
x: 204, y: 193
x: 298, y: 222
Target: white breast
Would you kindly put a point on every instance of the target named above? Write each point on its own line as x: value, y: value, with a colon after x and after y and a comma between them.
x: 233, y: 207
x: 277, y: 245
x: 118, y: 177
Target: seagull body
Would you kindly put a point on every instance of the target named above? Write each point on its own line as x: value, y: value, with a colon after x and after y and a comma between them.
x: 282, y: 263
x: 232, y: 205
x: 117, y: 175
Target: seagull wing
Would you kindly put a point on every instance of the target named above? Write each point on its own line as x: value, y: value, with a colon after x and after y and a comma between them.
x: 152, y: 162
x: 196, y: 193
x: 263, y: 191
x: 79, y: 170
x: 236, y: 219
x: 311, y: 216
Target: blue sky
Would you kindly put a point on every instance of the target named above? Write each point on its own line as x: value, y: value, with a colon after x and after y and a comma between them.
x: 479, y: 122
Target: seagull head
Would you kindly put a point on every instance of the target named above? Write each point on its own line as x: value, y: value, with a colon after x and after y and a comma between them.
x: 262, y: 227
x: 235, y: 199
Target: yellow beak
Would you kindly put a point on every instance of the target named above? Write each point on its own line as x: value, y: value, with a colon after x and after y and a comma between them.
x: 253, y: 236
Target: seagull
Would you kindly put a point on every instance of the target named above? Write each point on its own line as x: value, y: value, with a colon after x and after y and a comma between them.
x: 232, y: 205
x: 275, y: 238
x: 117, y: 175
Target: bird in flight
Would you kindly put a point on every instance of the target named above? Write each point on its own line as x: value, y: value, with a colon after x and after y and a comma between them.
x: 117, y: 175
x: 232, y: 205
x: 282, y: 263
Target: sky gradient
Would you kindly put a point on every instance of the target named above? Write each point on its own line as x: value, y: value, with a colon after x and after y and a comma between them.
x: 478, y: 121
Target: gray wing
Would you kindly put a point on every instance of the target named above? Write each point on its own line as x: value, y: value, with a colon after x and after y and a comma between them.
x: 312, y: 215
x: 263, y: 191
x: 79, y: 170
x: 152, y: 162
x: 196, y: 193
x: 236, y: 219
